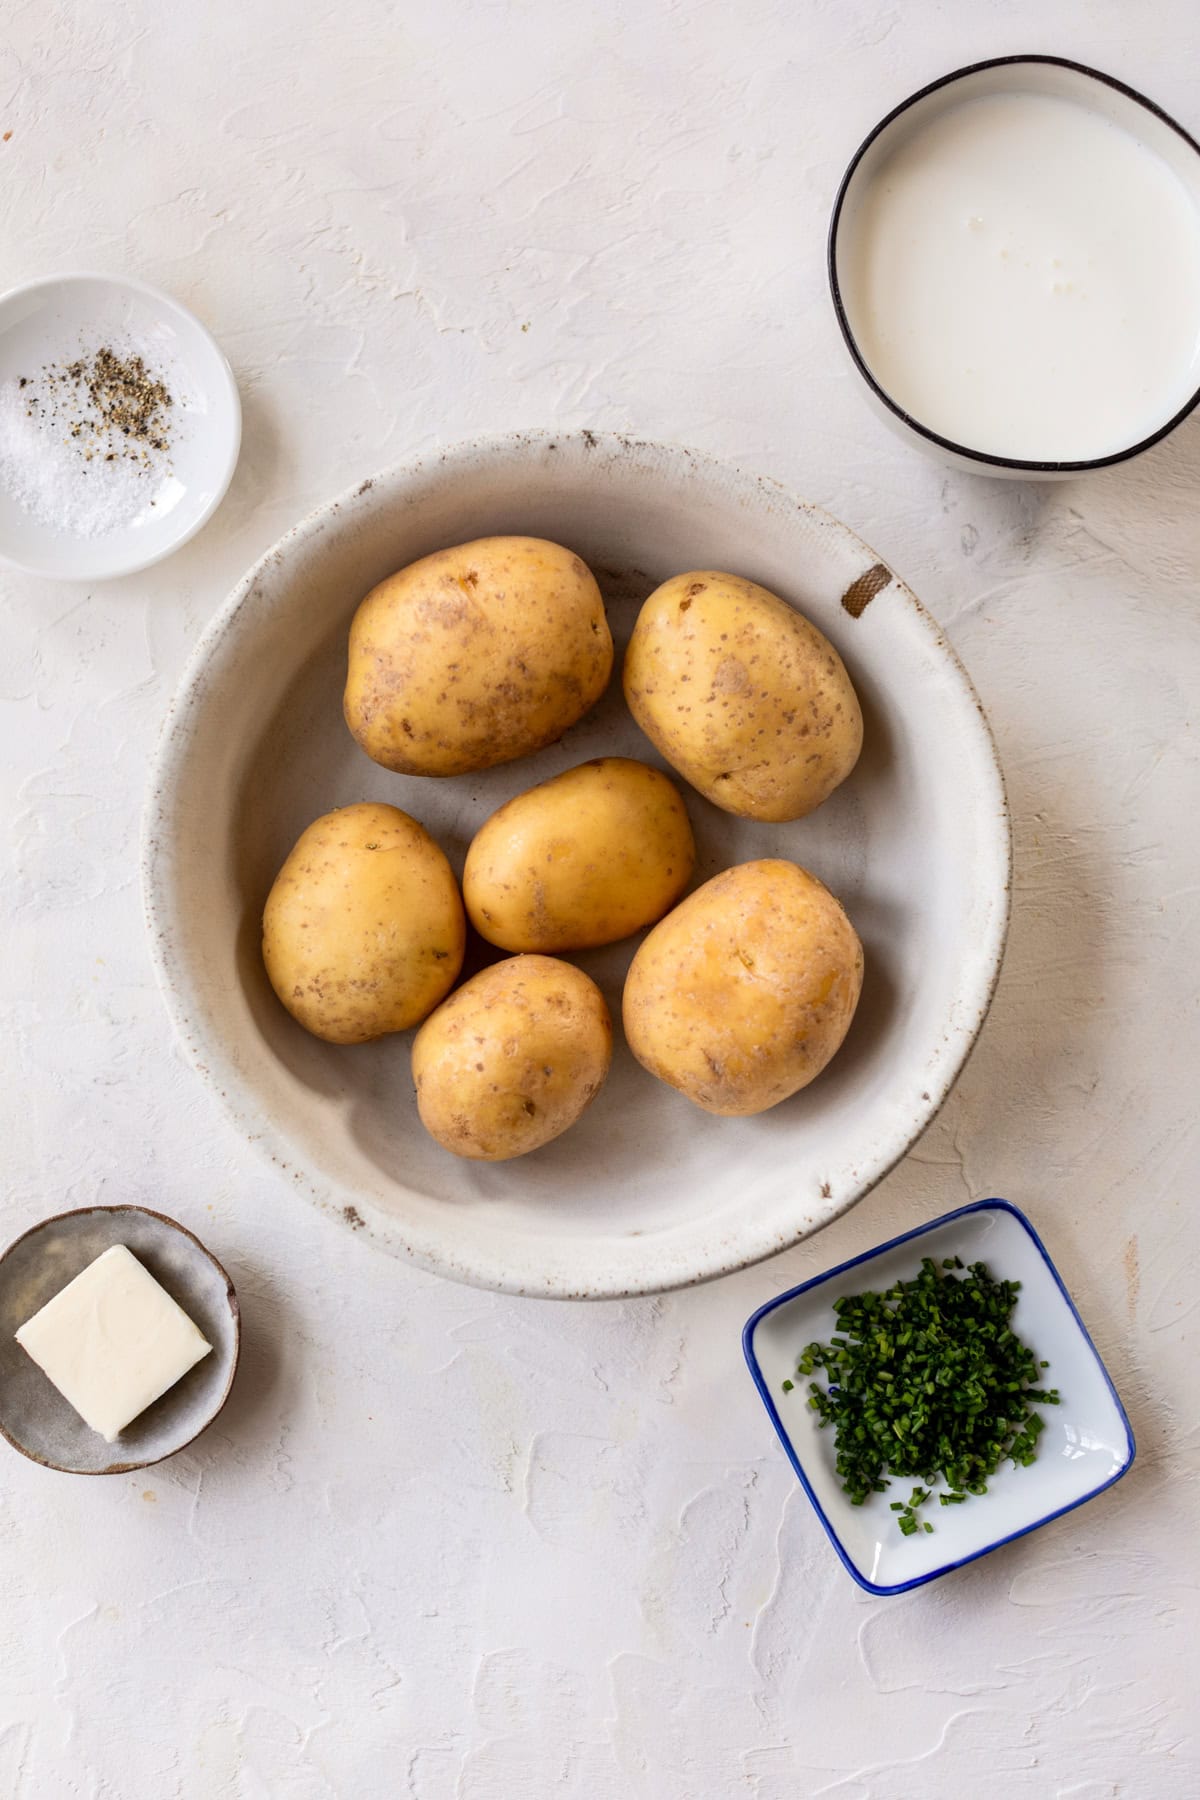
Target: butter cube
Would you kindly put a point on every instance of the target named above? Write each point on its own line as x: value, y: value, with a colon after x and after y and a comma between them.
x: 112, y: 1341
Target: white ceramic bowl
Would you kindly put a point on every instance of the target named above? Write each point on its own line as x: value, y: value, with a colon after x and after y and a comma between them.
x: 1087, y: 1444
x: 53, y: 320
x: 1052, y: 76
x: 646, y: 1192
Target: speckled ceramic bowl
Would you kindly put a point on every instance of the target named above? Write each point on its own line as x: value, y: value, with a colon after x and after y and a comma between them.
x: 645, y: 1192
x: 34, y: 1417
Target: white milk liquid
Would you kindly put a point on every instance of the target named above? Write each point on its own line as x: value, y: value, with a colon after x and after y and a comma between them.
x: 1023, y: 277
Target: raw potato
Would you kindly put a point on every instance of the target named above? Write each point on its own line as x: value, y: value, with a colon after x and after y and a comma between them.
x: 583, y: 859
x: 476, y: 655
x: 512, y: 1059
x: 741, y: 996
x: 742, y: 695
x: 363, y: 931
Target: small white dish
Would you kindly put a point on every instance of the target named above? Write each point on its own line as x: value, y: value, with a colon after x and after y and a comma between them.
x: 1023, y: 299
x: 1086, y: 1446
x: 34, y: 1416
x: 60, y: 317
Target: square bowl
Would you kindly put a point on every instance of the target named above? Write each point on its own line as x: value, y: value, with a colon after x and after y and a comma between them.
x: 1086, y: 1446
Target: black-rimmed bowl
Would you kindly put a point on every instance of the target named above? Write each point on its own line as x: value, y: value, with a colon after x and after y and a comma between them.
x: 1043, y: 75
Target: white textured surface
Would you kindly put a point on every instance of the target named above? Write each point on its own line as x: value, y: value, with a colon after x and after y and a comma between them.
x: 443, y: 1544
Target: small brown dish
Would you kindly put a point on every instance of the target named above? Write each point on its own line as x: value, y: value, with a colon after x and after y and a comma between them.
x: 34, y: 1417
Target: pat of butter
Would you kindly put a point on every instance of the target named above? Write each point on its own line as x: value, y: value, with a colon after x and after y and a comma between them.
x: 112, y: 1341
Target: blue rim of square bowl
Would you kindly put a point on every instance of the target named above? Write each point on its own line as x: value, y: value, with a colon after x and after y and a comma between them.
x: 974, y: 1206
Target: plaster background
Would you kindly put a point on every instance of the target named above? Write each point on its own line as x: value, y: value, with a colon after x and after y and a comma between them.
x: 443, y: 1544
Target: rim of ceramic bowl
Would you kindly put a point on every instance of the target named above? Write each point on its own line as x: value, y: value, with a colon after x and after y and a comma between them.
x: 235, y: 1313
x: 985, y: 458
x: 227, y: 382
x: 214, y: 1060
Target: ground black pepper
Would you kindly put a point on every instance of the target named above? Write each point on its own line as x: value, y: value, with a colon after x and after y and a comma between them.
x: 125, y: 401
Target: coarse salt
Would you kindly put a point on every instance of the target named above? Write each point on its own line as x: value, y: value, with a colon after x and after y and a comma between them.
x: 54, y: 479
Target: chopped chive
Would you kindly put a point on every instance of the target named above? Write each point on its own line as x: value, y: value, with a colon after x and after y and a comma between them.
x: 924, y: 1380
x: 788, y: 1386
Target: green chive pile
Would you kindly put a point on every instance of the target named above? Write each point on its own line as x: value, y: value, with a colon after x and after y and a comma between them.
x: 927, y: 1379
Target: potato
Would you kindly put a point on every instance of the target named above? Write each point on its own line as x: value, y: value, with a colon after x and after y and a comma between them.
x: 740, y: 996
x: 476, y: 655
x: 512, y: 1059
x: 363, y: 931
x: 742, y: 695
x: 583, y: 859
